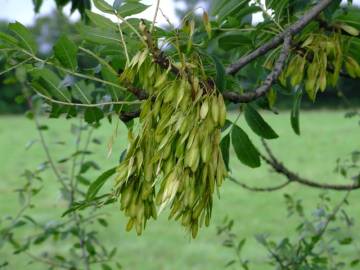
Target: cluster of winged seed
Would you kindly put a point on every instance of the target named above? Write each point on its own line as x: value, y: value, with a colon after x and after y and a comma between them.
x: 319, y: 52
x: 175, y: 160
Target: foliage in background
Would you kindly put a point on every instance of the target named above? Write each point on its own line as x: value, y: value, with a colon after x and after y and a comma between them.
x: 46, y: 31
x: 74, y: 237
x: 79, y: 5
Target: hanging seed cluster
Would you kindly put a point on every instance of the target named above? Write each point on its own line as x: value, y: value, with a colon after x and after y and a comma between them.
x: 175, y: 160
x: 320, y: 63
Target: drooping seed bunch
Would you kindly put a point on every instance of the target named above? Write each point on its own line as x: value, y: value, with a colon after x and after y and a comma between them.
x: 318, y: 62
x: 175, y: 160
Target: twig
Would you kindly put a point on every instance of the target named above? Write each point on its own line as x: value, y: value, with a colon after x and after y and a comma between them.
x: 73, y: 185
x: 293, y: 177
x: 266, y: 86
x: 157, y: 54
x: 167, y: 19
x: 76, y: 74
x: 123, y: 42
x: 131, y: 27
x: 155, y: 16
x: 15, y: 66
x: 46, y: 261
x: 260, y: 189
x: 48, y: 155
x: 87, y: 105
x: 73, y: 166
x: 274, y: 42
x: 324, y: 228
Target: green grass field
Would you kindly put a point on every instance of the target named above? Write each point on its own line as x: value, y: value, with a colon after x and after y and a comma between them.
x: 326, y: 136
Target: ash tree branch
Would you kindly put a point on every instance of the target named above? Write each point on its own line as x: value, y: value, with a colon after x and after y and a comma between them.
x: 270, y: 79
x: 284, y: 37
x: 280, y: 168
x: 276, y: 41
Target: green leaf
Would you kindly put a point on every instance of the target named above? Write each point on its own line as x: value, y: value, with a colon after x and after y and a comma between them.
x: 86, y: 166
x: 103, y: 222
x: 271, y: 97
x: 330, y: 10
x: 37, y: 5
x: 93, y: 115
x: 82, y: 180
x: 27, y: 40
x: 100, y: 36
x: 98, y: 183
x: 244, y: 148
x: 258, y: 124
x: 240, y: 246
x: 87, y: 203
x: 246, y: 11
x: 105, y: 266
x: 225, y: 150
x: 101, y: 21
x: 295, y: 112
x: 8, y: 39
x: 235, y: 41
x: 217, y: 5
x: 220, y: 73
x: 109, y: 76
x: 355, y: 262
x: 103, y: 6
x: 65, y: 51
x: 49, y: 84
x: 82, y: 91
x: 131, y: 8
x: 229, y: 8
x: 350, y: 17
x: 346, y: 241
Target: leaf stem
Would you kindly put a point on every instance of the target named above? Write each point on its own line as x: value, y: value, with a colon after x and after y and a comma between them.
x: 15, y: 66
x: 155, y: 16
x: 123, y: 42
x: 131, y: 27
x: 87, y: 105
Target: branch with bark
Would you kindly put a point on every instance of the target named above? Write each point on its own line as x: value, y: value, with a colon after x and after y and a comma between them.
x: 269, y: 81
x: 277, y: 40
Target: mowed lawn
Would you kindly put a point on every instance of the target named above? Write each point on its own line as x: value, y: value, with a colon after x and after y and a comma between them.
x: 326, y: 136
